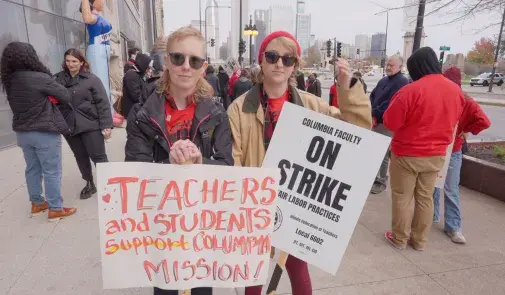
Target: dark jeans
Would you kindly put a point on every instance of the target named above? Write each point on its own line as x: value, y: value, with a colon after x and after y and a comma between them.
x: 86, y: 146
x: 196, y: 291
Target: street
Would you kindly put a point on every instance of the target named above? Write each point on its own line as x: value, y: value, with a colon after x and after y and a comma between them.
x: 495, y: 113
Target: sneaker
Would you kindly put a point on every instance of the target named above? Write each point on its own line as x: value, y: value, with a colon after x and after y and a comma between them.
x: 456, y: 237
x: 36, y: 209
x: 378, y: 188
x: 414, y: 247
x: 55, y: 215
x: 389, y: 237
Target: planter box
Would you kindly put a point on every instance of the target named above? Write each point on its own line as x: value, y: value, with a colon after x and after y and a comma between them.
x: 483, y: 176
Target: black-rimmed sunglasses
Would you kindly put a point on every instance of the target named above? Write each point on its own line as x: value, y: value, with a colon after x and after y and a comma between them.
x: 178, y: 59
x: 287, y: 60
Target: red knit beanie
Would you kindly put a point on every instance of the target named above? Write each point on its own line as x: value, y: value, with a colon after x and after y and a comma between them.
x: 276, y: 35
x: 453, y: 74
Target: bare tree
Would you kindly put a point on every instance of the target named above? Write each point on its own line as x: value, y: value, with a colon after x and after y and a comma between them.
x: 458, y: 11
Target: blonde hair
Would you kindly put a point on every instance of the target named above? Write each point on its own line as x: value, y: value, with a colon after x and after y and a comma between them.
x: 291, y: 45
x: 203, y: 88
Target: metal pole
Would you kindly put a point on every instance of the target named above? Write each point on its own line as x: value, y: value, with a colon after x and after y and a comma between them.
x: 334, y: 57
x: 206, y: 45
x: 387, y: 27
x: 240, y: 33
x: 493, y: 72
x: 420, y: 25
x: 200, y: 11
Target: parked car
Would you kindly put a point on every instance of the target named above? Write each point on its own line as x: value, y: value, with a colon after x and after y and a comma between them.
x: 371, y: 73
x: 485, y: 78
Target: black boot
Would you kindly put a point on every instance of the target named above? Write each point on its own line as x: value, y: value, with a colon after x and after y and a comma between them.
x: 88, y: 190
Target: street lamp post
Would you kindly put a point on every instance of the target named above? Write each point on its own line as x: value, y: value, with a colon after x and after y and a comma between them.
x: 206, y: 41
x: 251, y: 31
x: 240, y: 32
x: 384, y: 54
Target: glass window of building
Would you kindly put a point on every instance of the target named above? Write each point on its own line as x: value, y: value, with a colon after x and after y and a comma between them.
x: 52, y: 6
x: 70, y: 9
x: 75, y: 35
x: 12, y: 28
x: 46, y: 35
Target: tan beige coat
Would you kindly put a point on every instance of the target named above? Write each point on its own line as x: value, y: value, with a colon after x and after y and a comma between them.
x: 247, y: 118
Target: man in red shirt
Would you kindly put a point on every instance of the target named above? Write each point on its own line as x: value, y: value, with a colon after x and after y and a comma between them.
x: 422, y: 117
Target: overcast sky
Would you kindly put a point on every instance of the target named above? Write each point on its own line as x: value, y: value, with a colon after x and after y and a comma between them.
x: 348, y: 18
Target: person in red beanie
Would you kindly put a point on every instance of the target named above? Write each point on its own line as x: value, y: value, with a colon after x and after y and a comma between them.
x: 422, y: 117
x: 253, y: 117
x: 473, y: 120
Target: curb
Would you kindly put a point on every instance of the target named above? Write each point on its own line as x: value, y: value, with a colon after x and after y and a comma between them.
x: 491, y: 103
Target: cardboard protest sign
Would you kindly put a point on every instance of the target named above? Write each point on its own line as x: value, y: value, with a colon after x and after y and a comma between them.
x: 327, y: 169
x: 179, y: 227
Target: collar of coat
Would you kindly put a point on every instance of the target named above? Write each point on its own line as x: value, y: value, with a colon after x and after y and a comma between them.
x: 252, y: 99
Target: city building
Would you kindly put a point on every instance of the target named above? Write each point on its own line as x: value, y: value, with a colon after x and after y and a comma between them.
x: 261, y: 20
x: 302, y: 30
x: 349, y: 51
x: 312, y: 39
x: 212, y: 32
x: 378, y: 45
x: 409, y: 27
x: 54, y: 26
x: 281, y: 18
x: 237, y: 28
x: 408, y: 44
x: 364, y: 43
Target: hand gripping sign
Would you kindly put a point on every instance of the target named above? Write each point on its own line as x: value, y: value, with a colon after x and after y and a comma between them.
x: 178, y: 227
x: 327, y: 168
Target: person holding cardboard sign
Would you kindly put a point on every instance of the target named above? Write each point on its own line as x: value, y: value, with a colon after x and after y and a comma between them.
x: 180, y: 123
x: 253, y: 117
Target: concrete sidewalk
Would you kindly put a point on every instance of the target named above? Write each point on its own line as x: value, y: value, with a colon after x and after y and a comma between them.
x: 38, y: 257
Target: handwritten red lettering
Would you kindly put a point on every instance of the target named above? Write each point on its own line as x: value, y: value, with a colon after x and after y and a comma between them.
x: 171, y: 188
x: 225, y: 190
x: 163, y: 266
x: 248, y: 192
x: 265, y: 187
x: 143, y: 195
x: 214, y: 191
x: 187, y: 203
x: 123, y: 189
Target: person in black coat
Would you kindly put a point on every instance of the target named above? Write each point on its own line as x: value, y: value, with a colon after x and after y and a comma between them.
x: 133, y: 83
x: 300, y: 80
x: 32, y: 95
x: 242, y: 85
x: 314, y: 86
x: 213, y: 80
x: 90, y: 118
x: 224, y: 79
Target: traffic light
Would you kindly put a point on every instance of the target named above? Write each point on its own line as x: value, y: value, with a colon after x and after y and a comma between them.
x: 383, y: 62
x: 328, y: 48
x: 442, y: 57
x: 212, y: 42
x: 208, y: 60
x: 339, y: 49
x: 357, y: 51
x: 241, y: 47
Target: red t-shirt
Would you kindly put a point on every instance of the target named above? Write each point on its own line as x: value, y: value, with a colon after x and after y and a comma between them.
x: 333, y: 91
x: 179, y: 122
x: 275, y: 105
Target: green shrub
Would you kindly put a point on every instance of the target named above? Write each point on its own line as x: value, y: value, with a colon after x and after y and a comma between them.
x: 499, y: 151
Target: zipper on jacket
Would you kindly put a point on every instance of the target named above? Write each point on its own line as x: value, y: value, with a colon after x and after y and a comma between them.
x: 198, y: 126
x: 161, y: 129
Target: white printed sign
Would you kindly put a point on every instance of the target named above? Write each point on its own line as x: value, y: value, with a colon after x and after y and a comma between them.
x: 180, y: 227
x: 327, y: 169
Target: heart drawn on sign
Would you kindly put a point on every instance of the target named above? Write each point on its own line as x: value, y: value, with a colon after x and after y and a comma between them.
x: 106, y: 198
